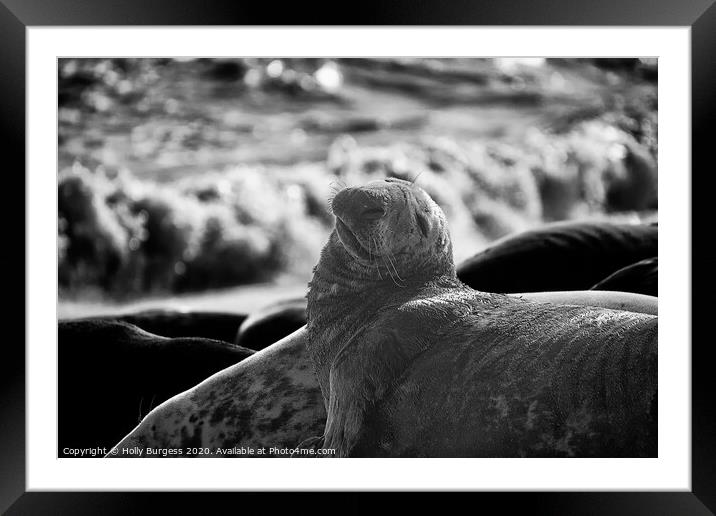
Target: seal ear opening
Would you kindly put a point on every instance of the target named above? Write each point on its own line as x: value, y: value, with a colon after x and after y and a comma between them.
x: 423, y: 223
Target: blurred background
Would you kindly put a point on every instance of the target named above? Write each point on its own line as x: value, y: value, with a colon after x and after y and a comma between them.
x: 202, y: 184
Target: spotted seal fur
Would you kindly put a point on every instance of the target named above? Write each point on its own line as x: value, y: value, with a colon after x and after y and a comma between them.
x: 269, y: 400
x: 412, y: 362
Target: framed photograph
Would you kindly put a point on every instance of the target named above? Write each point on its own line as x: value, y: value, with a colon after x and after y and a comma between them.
x: 423, y: 240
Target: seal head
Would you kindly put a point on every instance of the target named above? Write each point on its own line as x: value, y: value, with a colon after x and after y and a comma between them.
x: 391, y: 226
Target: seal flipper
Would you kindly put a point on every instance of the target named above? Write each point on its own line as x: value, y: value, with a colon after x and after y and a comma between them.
x: 346, y: 409
x: 357, y: 382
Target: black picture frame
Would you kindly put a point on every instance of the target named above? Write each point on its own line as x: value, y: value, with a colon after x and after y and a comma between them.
x: 17, y: 15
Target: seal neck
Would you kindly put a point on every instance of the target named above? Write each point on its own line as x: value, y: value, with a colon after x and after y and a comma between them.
x: 344, y: 295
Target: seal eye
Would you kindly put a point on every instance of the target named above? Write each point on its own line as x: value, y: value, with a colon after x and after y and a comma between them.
x: 372, y: 213
x: 423, y: 223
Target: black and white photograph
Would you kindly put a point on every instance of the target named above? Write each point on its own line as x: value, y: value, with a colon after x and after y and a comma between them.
x: 431, y: 240
x: 330, y: 257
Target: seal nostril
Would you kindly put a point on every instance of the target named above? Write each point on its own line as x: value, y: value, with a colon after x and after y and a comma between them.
x: 354, y: 205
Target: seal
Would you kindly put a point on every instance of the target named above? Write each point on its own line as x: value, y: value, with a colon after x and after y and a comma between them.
x: 559, y: 256
x: 612, y: 299
x: 112, y: 373
x: 412, y: 362
x: 270, y: 400
x: 641, y: 277
x: 271, y: 323
x: 175, y: 323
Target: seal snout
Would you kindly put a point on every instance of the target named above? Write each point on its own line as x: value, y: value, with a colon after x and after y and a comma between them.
x: 355, y: 206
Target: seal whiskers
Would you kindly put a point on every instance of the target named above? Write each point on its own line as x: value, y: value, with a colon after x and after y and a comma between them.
x: 392, y: 263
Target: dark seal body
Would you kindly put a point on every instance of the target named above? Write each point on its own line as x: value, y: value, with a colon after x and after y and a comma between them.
x: 271, y: 323
x: 641, y: 277
x: 559, y: 256
x: 270, y: 400
x: 174, y: 323
x: 523, y: 380
x: 412, y: 362
x: 112, y: 373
